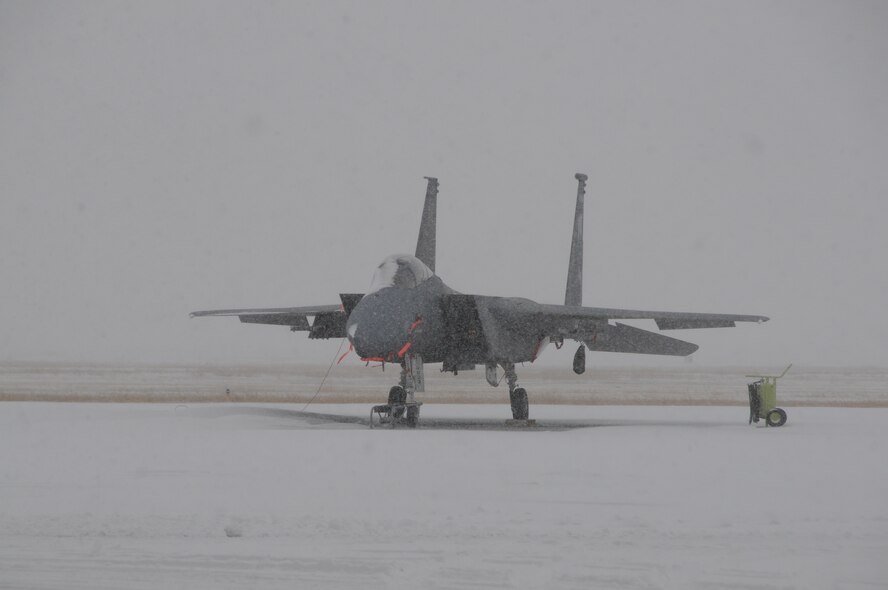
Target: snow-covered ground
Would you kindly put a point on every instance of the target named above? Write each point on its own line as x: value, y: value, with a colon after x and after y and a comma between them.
x: 260, y: 496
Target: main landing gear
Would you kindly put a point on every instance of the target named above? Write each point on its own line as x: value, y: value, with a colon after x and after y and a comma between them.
x: 517, y: 395
x: 402, y: 407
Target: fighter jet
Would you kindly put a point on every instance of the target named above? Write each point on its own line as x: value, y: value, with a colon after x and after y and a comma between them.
x: 410, y: 317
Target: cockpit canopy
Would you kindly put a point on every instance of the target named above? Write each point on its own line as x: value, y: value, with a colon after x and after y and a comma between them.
x: 400, y: 270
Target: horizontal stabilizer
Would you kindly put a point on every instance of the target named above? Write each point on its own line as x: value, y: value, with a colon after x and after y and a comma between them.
x: 623, y: 338
x: 687, y: 324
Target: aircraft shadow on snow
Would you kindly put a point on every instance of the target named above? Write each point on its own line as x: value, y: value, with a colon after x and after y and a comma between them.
x: 283, y: 418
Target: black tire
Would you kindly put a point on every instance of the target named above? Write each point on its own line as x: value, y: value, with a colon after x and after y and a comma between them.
x: 412, y: 416
x: 776, y: 417
x: 397, y: 396
x: 520, y: 407
x: 755, y: 403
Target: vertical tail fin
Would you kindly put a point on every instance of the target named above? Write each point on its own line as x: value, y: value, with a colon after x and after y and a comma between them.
x: 425, y: 244
x: 573, y: 295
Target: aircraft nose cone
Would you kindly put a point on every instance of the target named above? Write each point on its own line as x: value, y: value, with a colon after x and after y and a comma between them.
x: 363, y: 335
x: 373, y: 331
x: 351, y: 330
x: 357, y: 338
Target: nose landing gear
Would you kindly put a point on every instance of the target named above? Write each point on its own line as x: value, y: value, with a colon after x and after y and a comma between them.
x: 402, y: 407
x: 405, y: 414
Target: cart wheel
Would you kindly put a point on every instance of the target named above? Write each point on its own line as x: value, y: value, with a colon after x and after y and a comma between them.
x: 776, y: 417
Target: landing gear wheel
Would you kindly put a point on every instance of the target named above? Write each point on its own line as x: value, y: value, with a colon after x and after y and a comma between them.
x: 518, y: 398
x: 397, y: 397
x: 776, y: 417
x: 412, y: 416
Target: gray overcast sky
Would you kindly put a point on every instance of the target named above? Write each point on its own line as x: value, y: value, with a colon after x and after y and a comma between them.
x: 158, y: 158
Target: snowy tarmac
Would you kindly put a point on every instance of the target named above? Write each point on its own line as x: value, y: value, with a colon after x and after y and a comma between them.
x: 259, y: 496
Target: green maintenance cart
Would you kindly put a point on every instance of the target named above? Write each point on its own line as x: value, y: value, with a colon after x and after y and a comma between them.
x: 763, y: 400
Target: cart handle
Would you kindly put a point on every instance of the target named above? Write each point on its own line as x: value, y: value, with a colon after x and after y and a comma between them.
x: 770, y: 376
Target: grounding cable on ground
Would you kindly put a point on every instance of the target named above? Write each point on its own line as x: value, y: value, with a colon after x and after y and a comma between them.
x: 327, y: 374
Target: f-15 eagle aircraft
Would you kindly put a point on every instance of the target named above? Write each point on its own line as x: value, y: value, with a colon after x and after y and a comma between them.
x: 410, y: 317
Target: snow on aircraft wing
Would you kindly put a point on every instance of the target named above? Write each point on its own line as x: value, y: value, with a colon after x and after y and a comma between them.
x: 329, y: 320
x: 666, y: 320
x: 281, y: 311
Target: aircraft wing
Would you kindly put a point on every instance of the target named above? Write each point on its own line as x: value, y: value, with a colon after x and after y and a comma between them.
x: 329, y: 320
x: 513, y: 327
x: 666, y: 320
